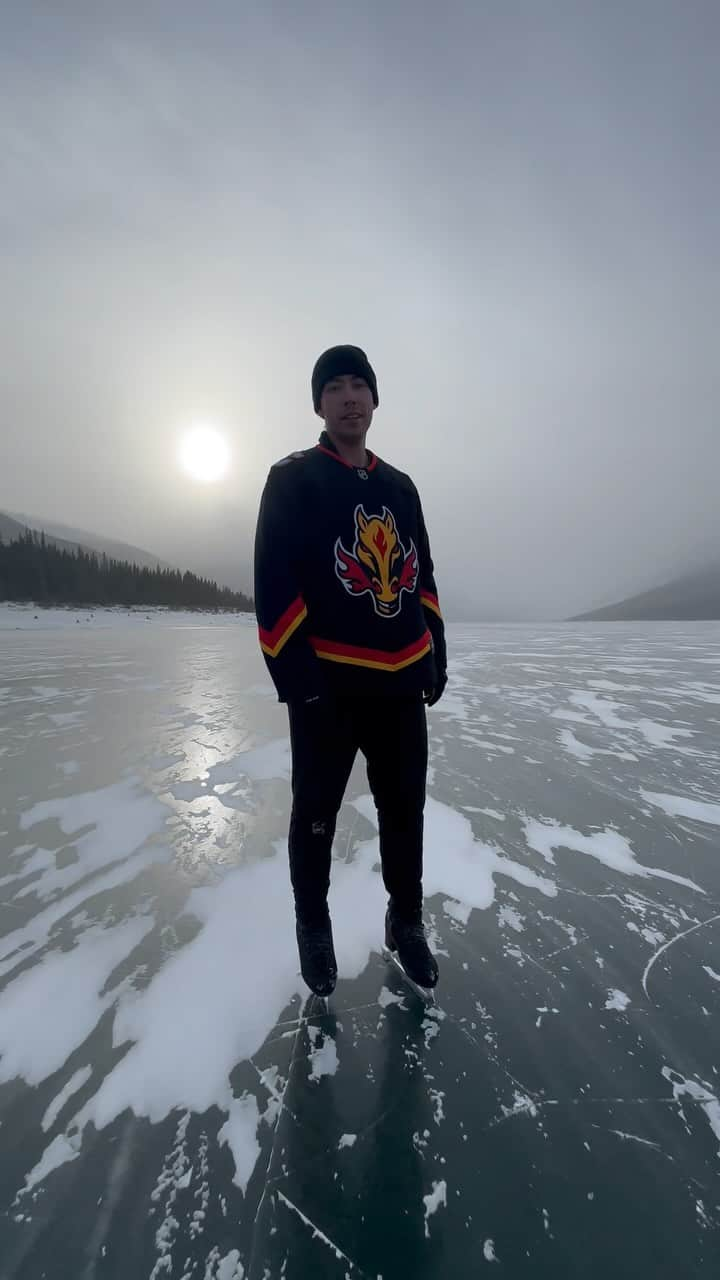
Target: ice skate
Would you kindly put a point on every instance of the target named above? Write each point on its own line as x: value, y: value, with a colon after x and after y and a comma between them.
x: 406, y: 946
x: 317, y: 956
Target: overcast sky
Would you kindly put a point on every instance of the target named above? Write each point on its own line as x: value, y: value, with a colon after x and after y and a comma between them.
x: 514, y: 207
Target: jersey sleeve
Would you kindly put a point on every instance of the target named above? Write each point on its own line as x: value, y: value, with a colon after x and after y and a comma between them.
x: 279, y: 605
x: 429, y: 596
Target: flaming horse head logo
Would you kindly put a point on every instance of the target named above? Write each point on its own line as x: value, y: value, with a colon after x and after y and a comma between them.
x: 378, y: 563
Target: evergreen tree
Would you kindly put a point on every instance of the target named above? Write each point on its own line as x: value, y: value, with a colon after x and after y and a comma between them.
x: 33, y: 569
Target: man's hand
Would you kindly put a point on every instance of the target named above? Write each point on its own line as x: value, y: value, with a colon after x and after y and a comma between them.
x: 435, y: 694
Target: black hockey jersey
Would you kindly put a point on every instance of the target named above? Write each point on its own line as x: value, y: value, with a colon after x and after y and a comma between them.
x: 344, y: 589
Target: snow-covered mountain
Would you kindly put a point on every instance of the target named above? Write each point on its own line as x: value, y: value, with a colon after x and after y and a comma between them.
x: 15, y: 523
x: 694, y: 596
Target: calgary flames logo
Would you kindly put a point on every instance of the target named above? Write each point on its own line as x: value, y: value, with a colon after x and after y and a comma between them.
x: 378, y: 563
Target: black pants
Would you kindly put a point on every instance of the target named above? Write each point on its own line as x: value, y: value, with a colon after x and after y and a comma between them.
x: 326, y: 736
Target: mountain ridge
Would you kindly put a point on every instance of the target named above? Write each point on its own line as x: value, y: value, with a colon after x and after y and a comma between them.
x: 689, y: 597
x: 14, y: 523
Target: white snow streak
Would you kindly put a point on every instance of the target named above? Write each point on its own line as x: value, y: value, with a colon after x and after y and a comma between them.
x: 51, y: 1008
x: 239, y: 1132
x: 60, y: 1151
x: 123, y: 817
x: 432, y: 1202
x: 608, y: 846
x: 683, y: 1087
x: 74, y: 1084
x: 458, y: 865
x: 680, y: 807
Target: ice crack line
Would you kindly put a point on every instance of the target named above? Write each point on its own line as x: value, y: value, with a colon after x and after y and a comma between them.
x: 665, y: 946
x: 320, y: 1235
x: 529, y: 1105
x: 273, y: 1156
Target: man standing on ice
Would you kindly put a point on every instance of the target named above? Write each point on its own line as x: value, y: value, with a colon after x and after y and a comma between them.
x: 353, y: 637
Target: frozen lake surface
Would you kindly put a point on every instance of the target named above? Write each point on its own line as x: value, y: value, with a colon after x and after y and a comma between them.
x: 171, y: 1108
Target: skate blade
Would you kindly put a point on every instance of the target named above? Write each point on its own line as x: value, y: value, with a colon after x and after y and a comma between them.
x: 313, y: 1006
x: 426, y: 994
x: 312, y: 1002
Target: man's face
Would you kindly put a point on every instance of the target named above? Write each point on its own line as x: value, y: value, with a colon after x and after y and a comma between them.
x: 346, y: 405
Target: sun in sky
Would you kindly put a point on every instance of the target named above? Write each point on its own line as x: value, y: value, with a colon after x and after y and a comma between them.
x: 204, y: 454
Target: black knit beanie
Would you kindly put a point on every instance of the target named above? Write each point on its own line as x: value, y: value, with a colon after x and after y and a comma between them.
x: 339, y: 361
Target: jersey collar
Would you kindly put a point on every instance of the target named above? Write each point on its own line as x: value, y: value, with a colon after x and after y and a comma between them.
x: 325, y: 445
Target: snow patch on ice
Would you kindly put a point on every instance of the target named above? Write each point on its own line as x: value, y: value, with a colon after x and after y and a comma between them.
x: 605, y: 710
x: 608, y: 847
x: 703, y: 692
x: 574, y: 717
x: 574, y: 746
x: 584, y: 753
x: 174, y: 1061
x: 323, y: 1054
x: 40, y: 861
x: 432, y: 1202
x: 185, y: 1062
x: 542, y: 1011
x: 63, y: 719
x: 437, y: 1096
x: 32, y: 617
x: 653, y: 936
x: 74, y: 1084
x: 602, y: 708
x: 388, y: 997
x: 240, y: 1134
x: 228, y: 1268
x: 430, y: 1025
x: 682, y: 807
x: 489, y: 813
x: 51, y: 1008
x: 452, y: 705
x: 510, y: 918
x: 456, y: 864
x: 459, y: 911
x: 61, y: 1150
x: 660, y: 735
x: 261, y: 764
x: 683, y: 1087
x: 123, y: 817
x: 24, y: 942
x: 523, y: 1104
x: 173, y: 1177
x: 617, y: 1000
